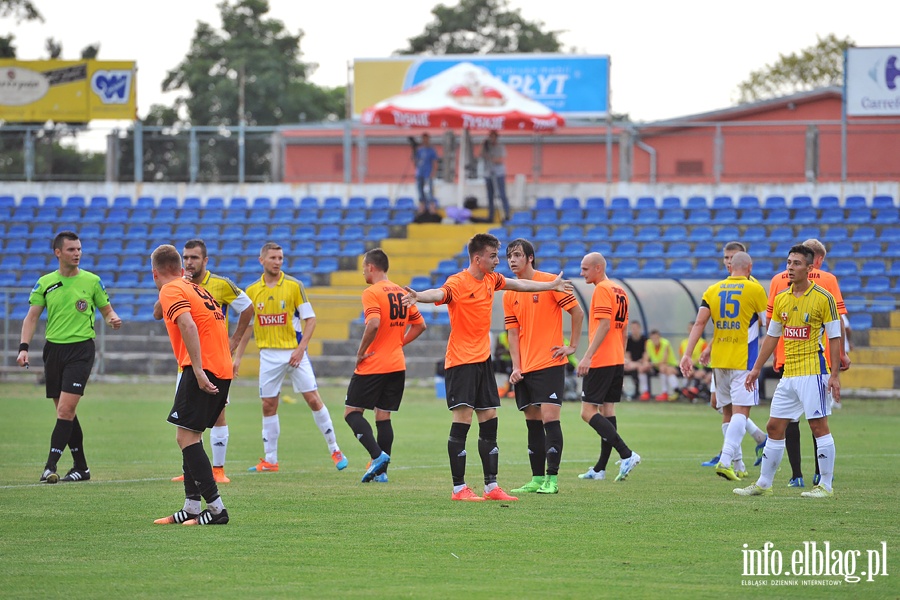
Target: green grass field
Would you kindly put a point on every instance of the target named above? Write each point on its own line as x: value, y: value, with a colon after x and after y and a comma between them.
x: 672, y: 530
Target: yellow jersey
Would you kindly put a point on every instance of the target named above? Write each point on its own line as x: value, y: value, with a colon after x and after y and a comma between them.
x: 225, y: 292
x: 736, y: 306
x: 801, y: 322
x: 278, y: 311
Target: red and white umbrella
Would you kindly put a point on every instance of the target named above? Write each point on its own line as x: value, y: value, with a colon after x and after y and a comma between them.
x: 464, y: 96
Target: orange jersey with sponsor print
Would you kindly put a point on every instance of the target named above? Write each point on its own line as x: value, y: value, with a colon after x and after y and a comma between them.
x: 383, y: 301
x: 780, y: 282
x: 609, y: 301
x: 469, y: 302
x: 539, y: 318
x: 178, y: 297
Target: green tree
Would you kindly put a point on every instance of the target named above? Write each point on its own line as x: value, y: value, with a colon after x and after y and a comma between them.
x: 482, y: 27
x: 821, y: 65
x: 21, y: 10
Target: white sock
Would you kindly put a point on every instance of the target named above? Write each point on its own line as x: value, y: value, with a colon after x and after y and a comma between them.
x: 488, y: 488
x: 216, y: 506
x: 772, y: 456
x: 825, y: 456
x: 643, y: 383
x: 270, y: 432
x: 758, y: 435
x: 323, y: 420
x: 458, y: 488
x: 663, y: 384
x: 673, y: 382
x: 733, y: 436
x: 218, y: 439
x: 191, y: 506
x: 725, y: 429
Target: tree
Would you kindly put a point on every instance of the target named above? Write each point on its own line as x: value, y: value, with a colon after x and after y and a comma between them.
x: 821, y: 65
x: 481, y: 27
x: 54, y: 48
x: 22, y: 10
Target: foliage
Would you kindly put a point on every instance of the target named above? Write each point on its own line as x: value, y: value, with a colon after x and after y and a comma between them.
x: 22, y: 10
x: 481, y: 27
x: 821, y: 65
x: 53, y: 159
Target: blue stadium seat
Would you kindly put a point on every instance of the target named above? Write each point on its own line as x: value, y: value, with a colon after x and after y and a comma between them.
x: 725, y: 215
x: 353, y: 248
x: 626, y: 249
x: 679, y: 250
x: 52, y: 202
x: 329, y: 248
x: 877, y: 284
x: 648, y: 234
x: 548, y: 248
x: 299, y: 264
x: 402, y: 217
x: 303, y: 248
x: 646, y: 203
x: 671, y: 216
x: 574, y: 233
x: 168, y: 203
x: 550, y: 265
x: 798, y: 202
x: 620, y: 203
x: 647, y: 216
x: 47, y: 215
x: 7, y: 201
x: 702, y: 233
x: 805, y: 233
x: 620, y: 216
x: 652, y: 250
x: 861, y: 321
x: 831, y: 216
x: 520, y: 231
x: 192, y: 203
x: 871, y: 268
x: 886, y: 216
x: 522, y: 217
x: 673, y: 202
x: 883, y: 201
x: 545, y: 203
x: 706, y: 249
x: 763, y: 269
x: 851, y: 284
x: 781, y: 234
x: 329, y: 233
x: 653, y: 268
x: 261, y: 203
x: 842, y: 268
x: 863, y: 234
x: 570, y: 203
x: 855, y: 202
x: 545, y: 217
x: 775, y: 202
x: 628, y: 267
x: 708, y: 268
x: 356, y: 202
x: 829, y: 202
x: 751, y: 216
x: 572, y: 269
x: 574, y: 249
x: 405, y: 202
x: 722, y: 202
x: 378, y: 216
x: 805, y: 216
x: 622, y: 233
x: 595, y: 204
x: 748, y: 202
x: 546, y: 233
x: 309, y: 202
x: 378, y: 233
x: 677, y: 233
x: 776, y: 215
x: 381, y: 202
x: 697, y: 203
x: 892, y: 249
x: 604, y: 248
x: 681, y: 268
x: 420, y: 282
x: 729, y: 233
x: 698, y: 216
x: 841, y: 250
x: 76, y: 201
x: 882, y: 303
x: 30, y: 201
x: 571, y: 217
x: 353, y: 233
x: 23, y: 214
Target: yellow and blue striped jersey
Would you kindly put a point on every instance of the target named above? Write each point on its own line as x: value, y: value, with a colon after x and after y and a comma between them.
x: 224, y: 291
x: 801, y: 322
x: 276, y: 309
x: 736, y: 305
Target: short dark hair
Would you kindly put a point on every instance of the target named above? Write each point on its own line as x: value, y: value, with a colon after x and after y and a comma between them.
x: 806, y: 251
x: 480, y: 241
x: 268, y: 246
x: 197, y: 243
x: 735, y: 246
x: 166, y: 259
x: 377, y: 258
x: 527, y: 249
x: 60, y: 237
x: 654, y: 332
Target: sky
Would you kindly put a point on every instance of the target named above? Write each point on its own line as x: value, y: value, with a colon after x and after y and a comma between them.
x: 668, y: 59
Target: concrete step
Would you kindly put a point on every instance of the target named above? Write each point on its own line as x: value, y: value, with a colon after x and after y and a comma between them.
x: 876, y: 356
x: 871, y: 377
x: 884, y: 337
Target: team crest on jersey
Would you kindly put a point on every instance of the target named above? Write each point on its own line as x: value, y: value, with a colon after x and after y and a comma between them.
x: 806, y: 317
x: 260, y: 306
x: 534, y: 298
x: 784, y: 317
x: 282, y: 305
x: 81, y: 305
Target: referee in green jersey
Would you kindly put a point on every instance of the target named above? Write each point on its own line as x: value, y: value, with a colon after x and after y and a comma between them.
x: 70, y: 296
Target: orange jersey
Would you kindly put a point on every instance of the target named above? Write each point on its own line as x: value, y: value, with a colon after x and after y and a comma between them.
x: 609, y: 301
x: 178, y: 297
x: 538, y: 317
x: 383, y: 301
x: 780, y: 282
x: 469, y: 302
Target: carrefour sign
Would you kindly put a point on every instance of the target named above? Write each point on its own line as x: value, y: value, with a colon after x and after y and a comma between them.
x: 571, y: 85
x: 872, y: 81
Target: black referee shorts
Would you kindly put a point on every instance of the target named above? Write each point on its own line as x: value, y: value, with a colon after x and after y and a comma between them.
x: 67, y: 367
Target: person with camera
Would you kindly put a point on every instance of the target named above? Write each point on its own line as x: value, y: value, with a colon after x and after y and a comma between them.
x: 493, y: 154
x: 425, y: 158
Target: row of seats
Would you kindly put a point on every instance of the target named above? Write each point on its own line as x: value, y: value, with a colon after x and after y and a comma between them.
x: 211, y: 203
x: 855, y: 202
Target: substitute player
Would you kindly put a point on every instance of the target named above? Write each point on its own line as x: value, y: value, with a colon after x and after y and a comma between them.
x: 378, y: 381
x: 196, y: 328
x: 737, y: 306
x: 539, y: 355
x: 227, y: 295
x: 800, y: 315
x: 283, y: 328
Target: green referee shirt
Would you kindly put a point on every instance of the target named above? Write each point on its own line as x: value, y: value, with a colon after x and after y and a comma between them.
x: 70, y: 302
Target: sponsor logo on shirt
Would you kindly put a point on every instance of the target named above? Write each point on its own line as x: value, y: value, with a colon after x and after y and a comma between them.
x: 272, y: 320
x: 796, y: 333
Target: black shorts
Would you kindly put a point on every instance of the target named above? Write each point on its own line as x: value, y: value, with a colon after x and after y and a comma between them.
x: 603, y: 384
x: 67, y: 367
x: 545, y: 386
x: 383, y: 391
x: 194, y: 409
x: 472, y: 385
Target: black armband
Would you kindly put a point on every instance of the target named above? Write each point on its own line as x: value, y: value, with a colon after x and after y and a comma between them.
x: 23, y: 346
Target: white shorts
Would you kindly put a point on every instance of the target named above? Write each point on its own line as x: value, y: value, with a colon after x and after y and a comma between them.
x: 274, y: 364
x: 804, y: 394
x: 178, y: 382
x: 730, y: 388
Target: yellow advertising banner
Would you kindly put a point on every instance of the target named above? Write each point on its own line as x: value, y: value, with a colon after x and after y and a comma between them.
x: 69, y: 91
x: 377, y: 79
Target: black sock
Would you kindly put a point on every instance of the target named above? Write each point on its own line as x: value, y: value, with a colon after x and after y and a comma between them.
x: 815, y: 451
x: 201, y: 471
x: 605, y: 449
x: 385, y: 435
x: 59, y: 439
x: 456, y: 448
x: 537, y: 446
x: 487, y: 448
x: 191, y: 491
x: 609, y: 434
x: 554, y: 447
x: 792, y: 445
x: 363, y: 432
x: 76, y: 439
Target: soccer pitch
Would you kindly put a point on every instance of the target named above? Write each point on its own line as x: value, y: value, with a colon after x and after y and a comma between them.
x: 672, y: 530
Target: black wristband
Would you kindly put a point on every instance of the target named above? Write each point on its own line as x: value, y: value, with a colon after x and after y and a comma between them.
x: 23, y: 346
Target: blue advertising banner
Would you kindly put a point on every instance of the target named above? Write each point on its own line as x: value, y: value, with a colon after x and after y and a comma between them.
x: 572, y: 85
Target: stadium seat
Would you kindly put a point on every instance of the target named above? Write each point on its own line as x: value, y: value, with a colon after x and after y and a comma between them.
x: 572, y: 269
x: 805, y: 216
x: 353, y: 233
x: 382, y: 202
x: 571, y: 217
x: 871, y: 268
x: 676, y: 233
x: 697, y: 203
x: 7, y: 202
x: 574, y: 233
x: 329, y: 233
x: 851, y: 284
x: 722, y: 202
x: 751, y: 216
x: 679, y: 250
x: 548, y: 249
x: 773, y: 202
x: 882, y: 303
x: 836, y: 234
x: 798, y: 202
x: 545, y: 217
x: 708, y: 268
x: 570, y: 203
x: 646, y: 203
x: 521, y: 231
x: 595, y: 204
x: 620, y: 216
x: 378, y: 232
x: 877, y: 284
x: 647, y: 216
x: 886, y: 216
x: 673, y: 202
x: 648, y: 234
x: 550, y: 265
x: 652, y: 250
x: 420, y: 282
x: 30, y: 201
x: 653, y: 268
x: 728, y: 232
x: 356, y: 203
x: 781, y: 234
x: 604, y: 248
x: 841, y: 250
x: 861, y: 321
x: 725, y: 215
x: 892, y: 250
x: 701, y: 234
x: 620, y: 203
x: 681, y: 268
x: 622, y: 233
x: 763, y: 269
x: 671, y: 216
x: 883, y: 201
x: 545, y: 203
x: 310, y: 202
x: 353, y: 248
x: 23, y: 215
x: 776, y: 215
x: 829, y: 203
x: 842, y: 268
x: 699, y: 216
x: 52, y: 202
x: 863, y: 235
x: 402, y: 217
x: 329, y: 248
x: 261, y: 203
x: 626, y: 249
x: 522, y: 217
x: 748, y: 202
x: 405, y: 202
x: 303, y: 247
x: 628, y: 267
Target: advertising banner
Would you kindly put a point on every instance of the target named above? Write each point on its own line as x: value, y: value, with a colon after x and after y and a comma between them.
x: 872, y: 82
x: 67, y: 91
x: 571, y: 85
